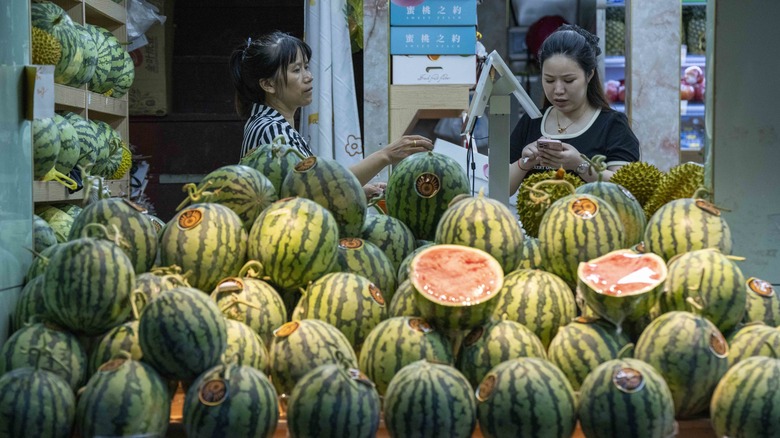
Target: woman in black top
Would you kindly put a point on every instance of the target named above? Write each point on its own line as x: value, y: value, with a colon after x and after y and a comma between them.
x: 576, y: 112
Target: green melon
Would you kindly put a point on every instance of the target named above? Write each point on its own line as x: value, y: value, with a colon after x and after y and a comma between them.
x: 70, y: 148
x: 43, y: 234
x: 762, y: 304
x: 753, y: 339
x: 35, y: 403
x: 29, y: 306
x: 404, y: 301
x: 363, y: 258
x: 245, y: 346
x: 114, y: 343
x: 273, y: 160
x: 54, y: 20
x: 46, y: 146
x: 391, y: 235
x: 625, y: 204
x: 253, y: 302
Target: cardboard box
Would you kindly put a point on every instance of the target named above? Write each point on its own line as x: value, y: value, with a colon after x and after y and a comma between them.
x: 437, y: 40
x: 151, y: 93
x: 434, y: 13
x: 434, y: 69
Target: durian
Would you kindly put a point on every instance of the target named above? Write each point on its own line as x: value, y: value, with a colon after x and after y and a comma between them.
x: 639, y: 178
x: 125, y: 164
x: 46, y: 50
x: 682, y: 181
x: 530, y: 212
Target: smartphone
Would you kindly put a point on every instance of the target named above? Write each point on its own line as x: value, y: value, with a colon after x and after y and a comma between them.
x: 549, y: 144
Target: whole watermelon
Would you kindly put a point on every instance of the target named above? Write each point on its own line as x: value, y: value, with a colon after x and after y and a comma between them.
x: 46, y: 147
x: 121, y: 340
x: 273, y: 160
x: 625, y: 204
x: 391, y: 235
x: 245, y: 346
x: 35, y: 402
x: 253, y: 302
x: 363, y: 258
x: 763, y: 304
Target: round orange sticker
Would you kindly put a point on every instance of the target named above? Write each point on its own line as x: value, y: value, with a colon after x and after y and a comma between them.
x: 486, y: 387
x: 350, y: 243
x: 376, y: 294
x: 190, y: 219
x: 584, y: 208
x: 628, y: 380
x: 761, y: 287
x: 427, y: 185
x: 286, y: 329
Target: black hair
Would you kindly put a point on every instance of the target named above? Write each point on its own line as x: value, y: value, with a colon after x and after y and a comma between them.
x: 266, y: 57
x: 581, y: 46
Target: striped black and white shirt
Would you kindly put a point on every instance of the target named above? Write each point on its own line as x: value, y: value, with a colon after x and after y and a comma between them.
x: 264, y: 125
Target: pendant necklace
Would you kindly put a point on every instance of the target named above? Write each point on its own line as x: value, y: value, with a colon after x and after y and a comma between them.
x: 561, y: 130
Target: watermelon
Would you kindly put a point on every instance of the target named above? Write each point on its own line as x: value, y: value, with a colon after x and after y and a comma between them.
x: 363, y: 258
x: 578, y: 228
x: 253, y: 302
x: 87, y: 136
x: 583, y: 344
x: 296, y: 241
x: 245, y: 346
x: 691, y: 355
x: 420, y: 189
x: 626, y: 398
x: 397, y: 342
x: 88, y: 286
x: 483, y: 223
x: 70, y: 148
x: 712, y: 281
x: 46, y: 147
x: 125, y: 397
x: 72, y: 210
x: 273, y: 160
x: 427, y: 399
x: 456, y: 285
x: 87, y: 68
x: 495, y: 342
x: 333, y: 401
x: 231, y: 401
x: 685, y: 225
x: 625, y: 204
x: 115, y: 342
x: 530, y: 254
x: 209, y: 240
x: 241, y: 188
x: 333, y: 186
x: 124, y: 80
x: 301, y: 346
x: 59, y: 221
x: 403, y: 269
x: 349, y: 302
x: 526, y: 397
x: 762, y: 303
x: 139, y: 239
x: 48, y: 347
x: 54, y: 20
x: 29, y: 306
x: 102, y: 141
x: 41, y: 262
x: 753, y: 339
x: 110, y: 59
x: 43, y: 234
x: 391, y: 235
x: 35, y: 403
x: 621, y: 284
x: 745, y: 402
x: 404, y: 301
x: 182, y: 333
x: 537, y: 299
x: 149, y: 285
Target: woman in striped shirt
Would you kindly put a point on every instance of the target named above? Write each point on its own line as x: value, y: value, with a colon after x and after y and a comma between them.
x: 272, y: 79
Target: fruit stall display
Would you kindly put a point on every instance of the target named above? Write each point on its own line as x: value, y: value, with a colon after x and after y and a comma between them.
x: 262, y: 308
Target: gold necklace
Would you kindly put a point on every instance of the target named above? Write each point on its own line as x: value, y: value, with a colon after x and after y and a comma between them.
x: 558, y: 122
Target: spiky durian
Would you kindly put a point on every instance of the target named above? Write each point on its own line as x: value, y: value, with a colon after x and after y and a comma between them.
x: 682, y: 181
x: 639, y: 178
x: 530, y: 212
x: 125, y: 164
x: 46, y: 50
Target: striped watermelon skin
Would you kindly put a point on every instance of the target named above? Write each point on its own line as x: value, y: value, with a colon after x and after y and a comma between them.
x: 29, y: 306
x: 497, y: 341
x: 711, y: 278
x: 85, y: 131
x: 746, y: 402
x: 35, y: 403
x: 331, y: 401
x: 149, y: 285
x: 249, y: 409
x: 41, y: 262
x: 685, y: 225
x: 420, y: 189
x: 610, y: 405
x: 110, y: 61
x: 46, y: 146
x: 483, y: 223
x: 397, y: 342
x: 363, y: 258
x: 43, y: 234
x: 753, y: 339
x: 136, y: 395
x: 120, y: 339
x: 102, y: 141
x: 625, y: 204
x: 430, y: 400
x: 391, y: 235
x: 330, y: 184
x: 265, y: 311
x: 762, y: 304
x: 241, y: 188
x: 301, y: 346
x: 296, y: 241
x: 138, y: 232
x: 87, y: 68
x: 347, y: 301
x: 70, y: 148
x: 691, y: 355
x: 245, y: 346
x: 207, y: 239
x: 88, y: 286
x: 274, y: 161
x: 582, y: 345
x: 530, y: 254
x: 124, y: 79
x: 404, y: 301
x: 578, y: 228
x: 59, y: 221
x: 54, y: 20
x: 182, y: 333
x: 526, y: 397
x: 72, y: 210
x: 66, y: 357
x: 540, y: 300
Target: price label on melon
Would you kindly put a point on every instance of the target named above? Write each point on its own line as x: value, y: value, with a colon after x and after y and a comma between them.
x: 286, y: 329
x: 189, y: 219
x: 213, y: 392
x: 376, y: 294
x: 761, y: 287
x: 420, y: 325
x: 628, y: 380
x: 486, y: 387
x: 427, y: 185
x: 583, y: 208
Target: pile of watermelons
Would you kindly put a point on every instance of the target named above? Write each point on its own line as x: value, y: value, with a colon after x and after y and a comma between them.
x: 277, y: 290
x: 84, y: 56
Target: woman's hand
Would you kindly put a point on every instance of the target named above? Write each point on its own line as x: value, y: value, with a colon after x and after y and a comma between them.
x: 405, y: 146
x: 374, y: 189
x: 568, y: 158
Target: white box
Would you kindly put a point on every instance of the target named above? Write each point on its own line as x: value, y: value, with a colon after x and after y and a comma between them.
x: 434, y: 69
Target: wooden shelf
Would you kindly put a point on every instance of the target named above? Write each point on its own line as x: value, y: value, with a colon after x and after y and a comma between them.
x: 52, y: 191
x: 73, y: 98
x: 106, y: 105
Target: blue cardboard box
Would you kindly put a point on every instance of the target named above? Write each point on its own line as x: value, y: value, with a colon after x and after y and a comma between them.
x: 436, y: 40
x: 434, y: 13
